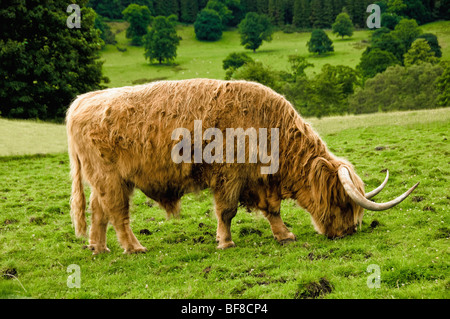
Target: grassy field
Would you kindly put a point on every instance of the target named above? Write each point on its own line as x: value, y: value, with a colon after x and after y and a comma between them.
x: 204, y: 59
x: 409, y: 243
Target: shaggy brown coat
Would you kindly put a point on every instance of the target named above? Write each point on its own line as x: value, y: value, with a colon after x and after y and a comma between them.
x: 120, y: 139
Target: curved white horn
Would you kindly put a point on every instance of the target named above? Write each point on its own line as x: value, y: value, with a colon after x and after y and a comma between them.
x: 362, y: 201
x: 379, y: 188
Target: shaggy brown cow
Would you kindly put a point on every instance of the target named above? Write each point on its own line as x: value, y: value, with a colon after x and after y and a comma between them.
x: 121, y: 138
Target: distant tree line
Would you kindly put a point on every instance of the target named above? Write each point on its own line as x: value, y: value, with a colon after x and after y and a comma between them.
x: 399, y: 70
x: 297, y: 13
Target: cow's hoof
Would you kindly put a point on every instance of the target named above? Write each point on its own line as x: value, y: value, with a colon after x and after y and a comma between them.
x: 98, y: 250
x: 226, y: 245
x: 289, y: 239
x: 135, y: 250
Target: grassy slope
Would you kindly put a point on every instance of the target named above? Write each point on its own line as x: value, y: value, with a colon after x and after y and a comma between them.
x: 410, y: 244
x: 30, y: 137
x: 204, y: 59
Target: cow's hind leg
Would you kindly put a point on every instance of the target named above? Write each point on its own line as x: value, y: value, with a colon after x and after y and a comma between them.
x: 97, y: 233
x: 115, y: 203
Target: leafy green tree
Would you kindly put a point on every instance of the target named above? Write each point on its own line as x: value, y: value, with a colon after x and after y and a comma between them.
x: 161, y: 41
x: 139, y: 18
x: 237, y: 10
x: 164, y: 7
x: 234, y: 61
x: 389, y: 20
x: 188, y: 10
x: 328, y: 91
x: 257, y: 72
x: 255, y: 29
x: 317, y: 15
x: 432, y: 42
x: 398, y: 88
x: 276, y: 12
x: 391, y: 43
x: 44, y: 64
x: 301, y: 14
x: 374, y: 61
x: 420, y: 52
x: 443, y: 85
x: 343, y: 25
x: 407, y: 30
x: 208, y: 25
x: 107, y: 8
x: 226, y: 15
x: 328, y: 12
x: 298, y: 66
x: 319, y: 42
x: 396, y: 6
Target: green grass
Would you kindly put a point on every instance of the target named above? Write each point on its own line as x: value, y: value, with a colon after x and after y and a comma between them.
x: 409, y: 242
x: 204, y: 59
x: 31, y: 137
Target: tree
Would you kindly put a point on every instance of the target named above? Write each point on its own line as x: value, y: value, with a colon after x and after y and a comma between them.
x: 237, y: 10
x: 301, y: 14
x: 328, y: 91
x: 107, y: 8
x: 162, y: 40
x: 139, y: 18
x: 396, y: 6
x: 44, y: 64
x: 420, y: 52
x: 319, y: 42
x: 188, y: 10
x: 226, y: 15
x: 257, y: 72
x: 375, y: 60
x: 391, y: 43
x: 443, y: 85
x: 208, y: 25
x: 343, y: 25
x: 233, y: 62
x: 298, y: 65
x: 432, y: 42
x: 317, y: 15
x: 398, y: 88
x: 255, y: 29
x: 390, y: 20
x: 407, y: 30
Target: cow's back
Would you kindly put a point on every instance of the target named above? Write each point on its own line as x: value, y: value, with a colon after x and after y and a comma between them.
x: 129, y: 129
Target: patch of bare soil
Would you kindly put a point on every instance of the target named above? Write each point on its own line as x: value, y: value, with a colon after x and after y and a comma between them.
x: 314, y: 289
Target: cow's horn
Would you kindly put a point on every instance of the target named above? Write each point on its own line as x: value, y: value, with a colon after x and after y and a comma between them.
x: 371, y: 194
x: 358, y: 198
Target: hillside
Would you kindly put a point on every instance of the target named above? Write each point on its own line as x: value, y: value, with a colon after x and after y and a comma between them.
x: 204, y: 59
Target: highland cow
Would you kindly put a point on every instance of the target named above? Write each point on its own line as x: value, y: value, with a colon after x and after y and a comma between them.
x: 121, y: 138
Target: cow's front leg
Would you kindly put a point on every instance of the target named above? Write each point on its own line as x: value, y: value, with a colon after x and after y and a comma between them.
x: 224, y: 218
x: 225, y: 214
x: 280, y: 232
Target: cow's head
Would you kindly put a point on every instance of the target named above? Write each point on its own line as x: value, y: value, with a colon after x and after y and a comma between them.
x: 338, y: 200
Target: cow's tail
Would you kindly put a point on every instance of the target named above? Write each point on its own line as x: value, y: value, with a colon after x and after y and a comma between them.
x: 77, y: 200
